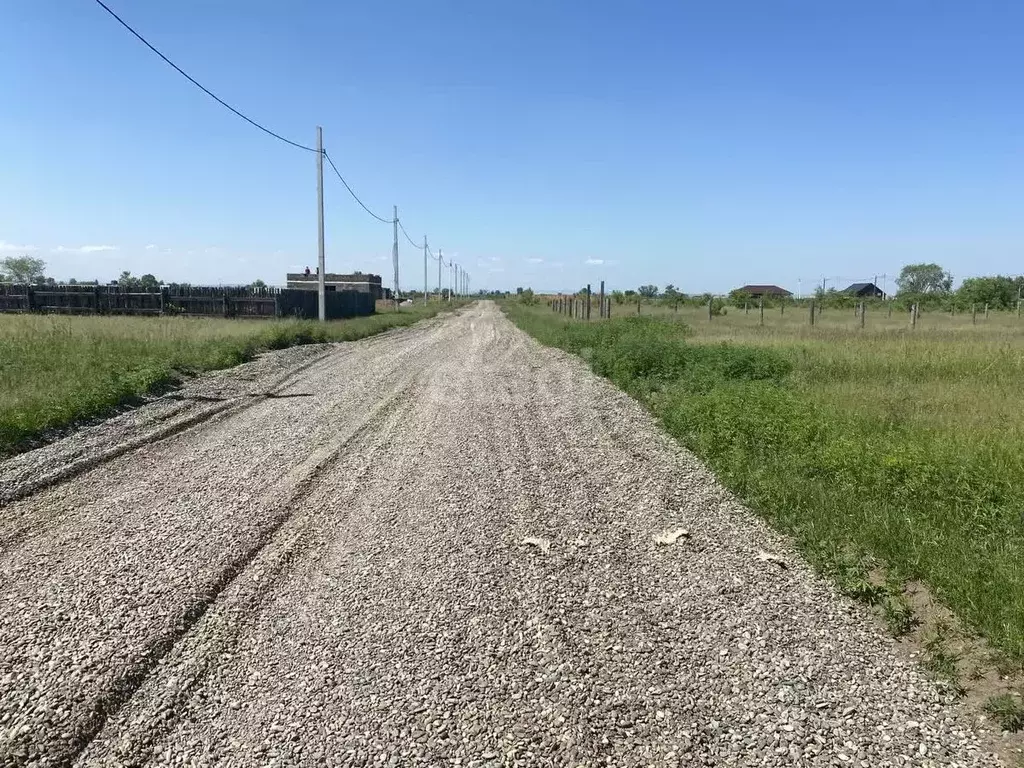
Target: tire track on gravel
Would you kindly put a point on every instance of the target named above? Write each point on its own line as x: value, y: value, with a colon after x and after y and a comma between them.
x: 90, y: 602
x: 202, y: 638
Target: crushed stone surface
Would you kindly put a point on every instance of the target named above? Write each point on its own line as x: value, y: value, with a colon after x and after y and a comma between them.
x: 442, y: 549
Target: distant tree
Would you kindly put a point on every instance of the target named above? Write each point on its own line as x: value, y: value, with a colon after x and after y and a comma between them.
x: 23, y: 269
x: 526, y: 296
x: 519, y: 291
x: 671, y: 292
x: 72, y: 281
x: 740, y: 298
x: 648, y: 291
x: 630, y: 292
x: 924, y: 278
x: 258, y: 284
x: 618, y: 297
x: 998, y: 292
x: 149, y: 282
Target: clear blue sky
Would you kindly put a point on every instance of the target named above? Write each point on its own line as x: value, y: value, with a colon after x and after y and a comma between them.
x: 705, y: 144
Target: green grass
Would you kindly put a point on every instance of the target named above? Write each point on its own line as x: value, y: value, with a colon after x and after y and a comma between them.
x: 1007, y: 710
x: 57, y: 370
x: 875, y: 448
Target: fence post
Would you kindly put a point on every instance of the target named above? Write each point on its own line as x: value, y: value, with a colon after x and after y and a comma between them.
x: 812, y: 311
x: 1018, y: 307
x: 974, y: 314
x: 890, y: 309
x: 588, y: 302
x: 711, y: 306
x: 863, y: 310
x: 746, y: 308
x: 913, y: 315
x: 163, y: 300
x: 760, y: 306
x: 608, y: 310
x: 602, y: 298
x: 30, y: 295
x: 638, y: 305
x: 986, y: 310
x: 782, y: 308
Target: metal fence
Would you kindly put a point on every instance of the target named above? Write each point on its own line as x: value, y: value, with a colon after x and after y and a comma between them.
x: 203, y: 301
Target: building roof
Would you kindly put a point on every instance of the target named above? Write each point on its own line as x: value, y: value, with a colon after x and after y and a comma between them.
x: 770, y: 289
x: 858, y: 287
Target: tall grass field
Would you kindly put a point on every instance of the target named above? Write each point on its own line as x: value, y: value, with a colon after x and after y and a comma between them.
x: 882, y: 449
x: 58, y: 370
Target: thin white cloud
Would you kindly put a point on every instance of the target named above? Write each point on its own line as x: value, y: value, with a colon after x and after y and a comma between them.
x: 495, y: 270
x: 495, y: 259
x: 595, y: 261
x: 535, y: 260
x: 150, y: 247
x: 6, y: 247
x: 84, y: 248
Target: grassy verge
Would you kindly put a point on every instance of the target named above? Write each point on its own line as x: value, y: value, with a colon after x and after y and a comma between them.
x: 55, y: 370
x: 883, y: 448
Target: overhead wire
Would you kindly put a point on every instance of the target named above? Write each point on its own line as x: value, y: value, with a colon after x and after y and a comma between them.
x: 355, y: 197
x: 199, y: 85
x: 413, y: 242
x: 261, y: 127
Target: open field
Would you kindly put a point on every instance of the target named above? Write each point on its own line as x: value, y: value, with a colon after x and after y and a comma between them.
x: 447, y: 545
x: 57, y: 370
x: 880, y: 450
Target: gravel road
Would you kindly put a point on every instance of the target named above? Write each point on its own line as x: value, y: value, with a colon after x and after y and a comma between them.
x: 432, y: 547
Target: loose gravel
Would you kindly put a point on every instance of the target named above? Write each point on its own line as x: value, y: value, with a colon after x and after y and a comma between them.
x: 452, y: 547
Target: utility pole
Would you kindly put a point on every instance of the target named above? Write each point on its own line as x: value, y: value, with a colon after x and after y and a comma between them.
x: 440, y: 261
x: 321, y: 288
x: 394, y: 251
x: 425, y: 270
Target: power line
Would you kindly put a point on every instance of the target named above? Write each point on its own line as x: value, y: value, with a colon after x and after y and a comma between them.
x: 355, y: 197
x: 199, y: 85
x: 411, y: 241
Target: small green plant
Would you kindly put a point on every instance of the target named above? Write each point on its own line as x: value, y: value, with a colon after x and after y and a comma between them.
x: 898, y: 614
x: 942, y: 662
x: 1007, y: 710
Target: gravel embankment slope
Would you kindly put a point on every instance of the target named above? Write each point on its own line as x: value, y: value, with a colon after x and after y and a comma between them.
x: 344, y: 578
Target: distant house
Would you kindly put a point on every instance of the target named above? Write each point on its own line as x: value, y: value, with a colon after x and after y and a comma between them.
x: 865, y: 291
x: 767, y: 291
